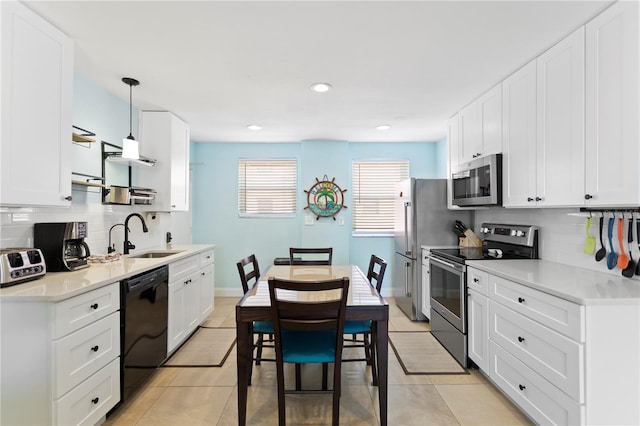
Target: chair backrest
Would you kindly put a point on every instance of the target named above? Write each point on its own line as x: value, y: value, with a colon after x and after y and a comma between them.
x: 377, y: 266
x: 253, y: 272
x: 297, y: 305
x: 301, y: 256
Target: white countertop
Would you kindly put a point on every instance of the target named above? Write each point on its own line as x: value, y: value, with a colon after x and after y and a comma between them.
x: 578, y: 285
x: 57, y: 286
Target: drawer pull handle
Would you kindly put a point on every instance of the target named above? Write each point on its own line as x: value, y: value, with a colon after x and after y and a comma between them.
x: 520, y: 339
x: 475, y: 280
x: 520, y: 300
x: 94, y: 306
x: 522, y: 387
x: 95, y: 348
x: 202, y: 273
x: 95, y: 400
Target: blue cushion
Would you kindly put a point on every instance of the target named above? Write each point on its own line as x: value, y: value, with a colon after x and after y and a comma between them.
x: 263, y: 327
x: 354, y: 327
x: 308, y: 347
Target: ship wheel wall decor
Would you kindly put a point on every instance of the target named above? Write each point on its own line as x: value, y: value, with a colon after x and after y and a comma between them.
x: 325, y: 198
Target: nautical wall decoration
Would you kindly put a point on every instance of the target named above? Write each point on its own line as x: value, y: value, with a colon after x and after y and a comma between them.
x: 325, y: 198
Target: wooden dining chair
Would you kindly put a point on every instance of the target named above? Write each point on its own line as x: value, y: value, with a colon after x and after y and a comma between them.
x: 375, y: 275
x: 308, y: 328
x: 310, y: 256
x: 249, y: 272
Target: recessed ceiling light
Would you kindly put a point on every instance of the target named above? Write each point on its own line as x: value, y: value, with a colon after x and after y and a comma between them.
x: 383, y: 127
x: 320, y: 87
x: 254, y: 127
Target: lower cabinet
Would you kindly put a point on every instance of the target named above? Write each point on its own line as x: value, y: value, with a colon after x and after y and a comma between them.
x: 191, y: 288
x: 559, y: 361
x: 66, y: 369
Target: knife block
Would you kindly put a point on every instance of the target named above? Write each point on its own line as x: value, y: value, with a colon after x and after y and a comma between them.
x: 470, y: 239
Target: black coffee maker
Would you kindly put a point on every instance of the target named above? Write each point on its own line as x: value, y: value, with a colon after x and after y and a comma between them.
x: 62, y: 244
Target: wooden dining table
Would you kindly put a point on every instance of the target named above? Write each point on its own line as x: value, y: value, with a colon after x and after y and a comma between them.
x: 364, y: 303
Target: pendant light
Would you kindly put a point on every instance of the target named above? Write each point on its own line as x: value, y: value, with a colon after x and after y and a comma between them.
x: 130, y: 144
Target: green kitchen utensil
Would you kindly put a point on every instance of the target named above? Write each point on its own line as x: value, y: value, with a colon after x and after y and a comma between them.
x: 590, y: 244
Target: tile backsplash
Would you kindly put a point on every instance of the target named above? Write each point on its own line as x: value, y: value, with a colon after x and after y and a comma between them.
x: 562, y: 234
x: 16, y: 225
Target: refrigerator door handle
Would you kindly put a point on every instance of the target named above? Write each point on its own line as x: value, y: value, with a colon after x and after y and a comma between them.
x: 407, y: 290
x: 406, y: 228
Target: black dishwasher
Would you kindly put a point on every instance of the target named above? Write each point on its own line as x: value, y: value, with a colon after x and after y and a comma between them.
x: 143, y: 320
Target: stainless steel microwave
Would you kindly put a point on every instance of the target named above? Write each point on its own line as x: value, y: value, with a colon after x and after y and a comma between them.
x: 478, y: 182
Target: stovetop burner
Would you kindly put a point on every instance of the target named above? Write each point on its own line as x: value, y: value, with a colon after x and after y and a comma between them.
x: 500, y: 242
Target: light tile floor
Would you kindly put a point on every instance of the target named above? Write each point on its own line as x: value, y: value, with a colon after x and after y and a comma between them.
x: 208, y: 396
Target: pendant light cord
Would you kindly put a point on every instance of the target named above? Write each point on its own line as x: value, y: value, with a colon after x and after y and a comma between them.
x: 130, y: 111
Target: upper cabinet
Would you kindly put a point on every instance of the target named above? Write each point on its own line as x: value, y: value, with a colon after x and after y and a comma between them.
x: 165, y: 137
x: 543, y: 129
x: 481, y: 126
x: 612, y: 124
x: 37, y: 88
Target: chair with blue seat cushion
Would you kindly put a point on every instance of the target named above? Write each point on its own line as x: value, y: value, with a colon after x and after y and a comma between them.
x: 308, y: 319
x: 375, y: 275
x: 249, y: 272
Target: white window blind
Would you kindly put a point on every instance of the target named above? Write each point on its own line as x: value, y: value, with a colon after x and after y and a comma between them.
x: 267, y: 187
x: 374, y: 194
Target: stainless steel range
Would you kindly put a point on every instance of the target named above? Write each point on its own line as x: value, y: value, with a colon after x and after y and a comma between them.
x: 447, y: 270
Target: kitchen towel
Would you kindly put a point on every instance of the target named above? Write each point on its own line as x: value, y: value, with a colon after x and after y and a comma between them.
x: 420, y: 353
x: 207, y: 347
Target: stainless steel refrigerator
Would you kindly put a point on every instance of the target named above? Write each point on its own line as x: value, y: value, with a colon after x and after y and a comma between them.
x: 421, y: 218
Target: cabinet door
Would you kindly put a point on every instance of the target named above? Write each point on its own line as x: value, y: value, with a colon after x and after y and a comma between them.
x: 560, y: 123
x: 179, y: 165
x: 453, y: 142
x: 206, y: 292
x: 490, y: 105
x: 192, y: 302
x: 612, y: 73
x: 470, y: 133
x: 519, y: 137
x: 176, y: 324
x: 36, y: 110
x: 478, y: 337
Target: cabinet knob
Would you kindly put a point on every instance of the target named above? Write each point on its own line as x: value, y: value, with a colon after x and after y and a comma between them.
x: 68, y: 198
x: 95, y: 400
x: 529, y: 199
x: 520, y: 300
x: 522, y: 387
x: 475, y: 280
x: 588, y: 196
x: 94, y: 306
x: 95, y: 348
x: 520, y: 339
x: 538, y: 199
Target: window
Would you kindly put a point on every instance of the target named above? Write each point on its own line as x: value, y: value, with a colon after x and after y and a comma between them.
x: 267, y: 187
x: 374, y: 194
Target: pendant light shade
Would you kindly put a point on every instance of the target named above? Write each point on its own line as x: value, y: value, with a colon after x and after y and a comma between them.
x: 129, y: 144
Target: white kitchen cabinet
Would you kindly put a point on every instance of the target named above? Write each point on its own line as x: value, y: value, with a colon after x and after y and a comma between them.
x: 481, y: 126
x: 66, y: 368
x: 478, y: 317
x: 612, y: 125
x: 165, y: 137
x: 426, y: 285
x: 207, y: 284
x: 184, y: 300
x: 37, y: 88
x: 546, y: 105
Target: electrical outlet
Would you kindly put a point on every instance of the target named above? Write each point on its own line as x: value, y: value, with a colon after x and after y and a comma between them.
x: 341, y: 221
x: 309, y: 220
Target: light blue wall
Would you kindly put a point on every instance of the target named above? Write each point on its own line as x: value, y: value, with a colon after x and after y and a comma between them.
x: 215, y: 203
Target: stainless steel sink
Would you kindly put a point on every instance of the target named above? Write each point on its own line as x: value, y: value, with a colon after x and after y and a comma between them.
x: 154, y: 254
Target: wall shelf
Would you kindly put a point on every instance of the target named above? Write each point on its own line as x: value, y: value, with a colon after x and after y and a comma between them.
x: 88, y: 180
x: 82, y: 137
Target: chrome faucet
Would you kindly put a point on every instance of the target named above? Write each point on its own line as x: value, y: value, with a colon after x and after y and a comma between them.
x: 112, y: 247
x: 127, y: 243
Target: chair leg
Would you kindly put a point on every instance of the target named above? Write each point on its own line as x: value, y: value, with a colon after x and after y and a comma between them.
x: 298, y: 377
x: 337, y: 388
x: 282, y: 416
x: 353, y: 337
x: 325, y: 374
x: 374, y: 365
x: 367, y: 348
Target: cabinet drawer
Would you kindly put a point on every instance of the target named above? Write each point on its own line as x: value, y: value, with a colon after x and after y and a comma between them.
x: 558, y: 314
x: 182, y: 268
x: 74, y: 313
x: 92, y: 399
x: 478, y: 281
x: 80, y: 354
x: 553, y: 356
x: 537, y: 397
x: 206, y: 258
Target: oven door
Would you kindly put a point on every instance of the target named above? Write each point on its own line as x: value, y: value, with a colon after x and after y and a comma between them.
x: 448, y: 290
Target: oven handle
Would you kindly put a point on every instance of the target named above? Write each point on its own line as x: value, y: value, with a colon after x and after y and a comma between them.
x: 454, y: 266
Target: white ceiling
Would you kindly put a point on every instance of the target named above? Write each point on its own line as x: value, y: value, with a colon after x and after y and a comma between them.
x: 221, y: 66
